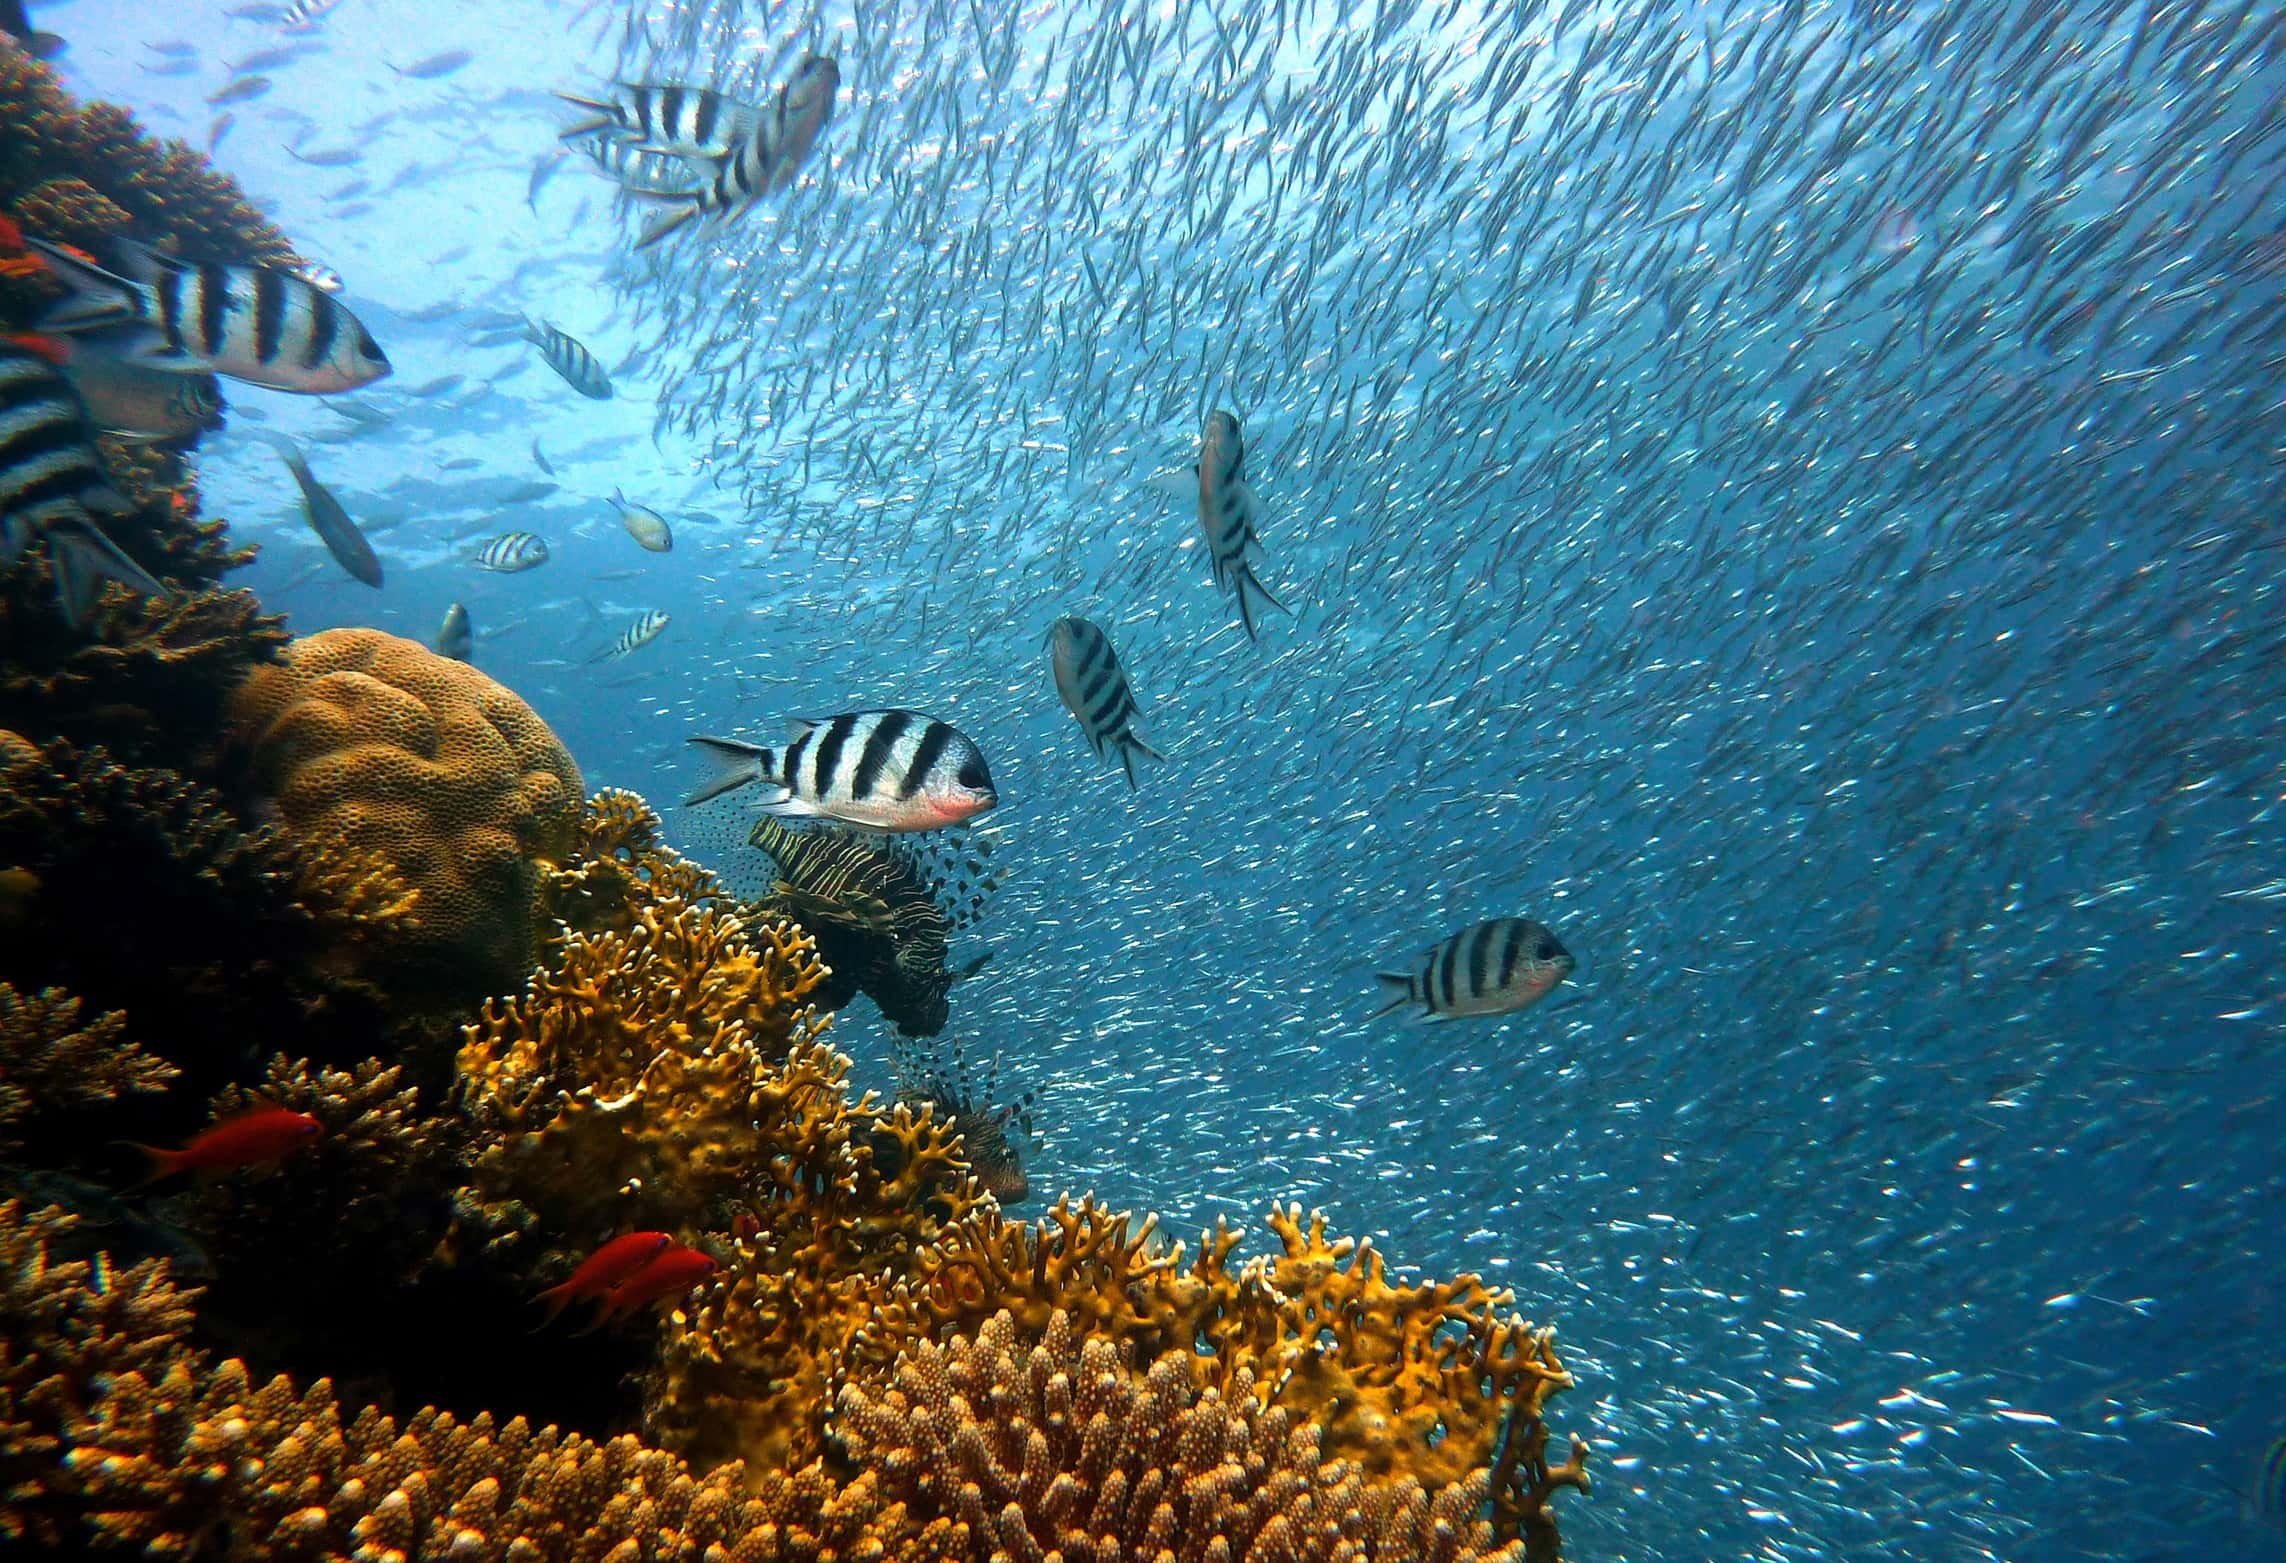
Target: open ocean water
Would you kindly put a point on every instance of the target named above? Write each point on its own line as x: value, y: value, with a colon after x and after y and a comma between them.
x: 1786, y: 493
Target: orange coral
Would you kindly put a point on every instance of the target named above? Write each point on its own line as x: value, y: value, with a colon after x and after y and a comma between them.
x: 1010, y: 1447
x: 376, y: 741
x: 50, y: 1061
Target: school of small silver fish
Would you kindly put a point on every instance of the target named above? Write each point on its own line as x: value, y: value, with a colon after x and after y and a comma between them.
x: 1782, y: 498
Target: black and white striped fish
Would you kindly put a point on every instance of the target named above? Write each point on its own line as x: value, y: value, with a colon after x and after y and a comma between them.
x: 265, y: 325
x: 513, y: 552
x: 1227, y: 511
x: 876, y: 770
x: 1094, y: 689
x: 1495, y: 968
x: 641, y: 171
x: 767, y: 161
x: 579, y: 368
x: 53, y: 486
x: 648, y: 626
x: 688, y: 122
x: 303, y: 15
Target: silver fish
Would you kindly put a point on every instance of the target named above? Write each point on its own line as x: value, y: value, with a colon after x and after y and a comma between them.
x: 512, y: 553
x: 1094, y: 689
x: 643, y: 524
x: 329, y: 520
x: 1494, y: 968
x: 432, y: 66
x: 261, y: 324
x: 876, y: 770
x: 135, y: 403
x: 456, y: 637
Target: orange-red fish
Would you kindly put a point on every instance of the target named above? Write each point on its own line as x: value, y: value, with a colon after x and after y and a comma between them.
x: 614, y: 1262
x: 258, y: 1135
x: 671, y: 1274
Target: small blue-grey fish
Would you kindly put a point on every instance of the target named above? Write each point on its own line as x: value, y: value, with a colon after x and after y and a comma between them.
x: 456, y: 637
x: 512, y: 553
x: 876, y: 770
x: 645, y: 525
x: 540, y: 457
x: 563, y: 353
x: 131, y: 402
x: 328, y: 519
x: 432, y: 66
x: 265, y: 325
x: 1094, y: 689
x: 1494, y: 968
x: 648, y: 626
x: 53, y: 486
x: 239, y: 89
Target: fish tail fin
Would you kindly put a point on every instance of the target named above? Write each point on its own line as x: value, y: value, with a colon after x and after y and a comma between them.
x: 98, y: 298
x: 1242, y: 574
x: 163, y: 1163
x: 1127, y: 764
x: 83, y: 559
x: 735, y: 764
x: 1400, y: 988
x: 601, y: 115
x: 666, y: 223
x: 555, y: 1299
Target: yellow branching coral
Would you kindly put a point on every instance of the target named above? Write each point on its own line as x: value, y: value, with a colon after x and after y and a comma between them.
x: 376, y: 741
x: 50, y: 1059
x: 1010, y: 1448
x: 114, y: 1432
x: 621, y: 860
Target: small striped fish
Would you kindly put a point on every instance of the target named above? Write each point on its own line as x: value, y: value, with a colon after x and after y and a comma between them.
x: 1094, y: 689
x: 766, y: 162
x: 1495, y: 968
x: 512, y: 552
x: 52, y: 484
x: 687, y: 122
x: 1227, y: 508
x: 646, y: 629
x: 265, y: 325
x: 564, y: 354
x: 303, y: 15
x: 877, y: 770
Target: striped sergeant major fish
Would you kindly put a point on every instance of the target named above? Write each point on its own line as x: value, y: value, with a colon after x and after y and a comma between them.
x: 578, y: 368
x: 53, y: 486
x: 512, y: 553
x: 640, y: 171
x: 1094, y: 689
x: 265, y: 325
x: 328, y: 519
x: 1495, y: 968
x: 648, y: 626
x: 688, y: 122
x: 876, y: 770
x: 304, y: 15
x: 1227, y: 508
x: 767, y: 161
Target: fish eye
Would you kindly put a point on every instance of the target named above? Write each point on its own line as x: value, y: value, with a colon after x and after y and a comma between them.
x: 973, y: 775
x: 368, y: 349
x: 1545, y: 950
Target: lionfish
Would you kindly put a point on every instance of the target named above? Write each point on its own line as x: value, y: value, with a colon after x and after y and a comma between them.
x: 882, y: 909
x: 969, y: 1106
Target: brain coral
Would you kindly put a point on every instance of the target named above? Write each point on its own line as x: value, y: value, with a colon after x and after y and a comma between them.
x: 378, y: 743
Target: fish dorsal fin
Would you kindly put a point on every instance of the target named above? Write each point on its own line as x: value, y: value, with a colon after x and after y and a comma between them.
x: 1175, y: 482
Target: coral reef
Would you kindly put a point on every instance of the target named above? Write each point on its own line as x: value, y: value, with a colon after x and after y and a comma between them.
x: 377, y: 742
x: 51, y: 1061
x: 148, y: 896
x: 971, y: 1106
x: 1057, y: 1446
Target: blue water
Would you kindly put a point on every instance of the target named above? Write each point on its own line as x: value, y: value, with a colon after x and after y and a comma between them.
x: 1787, y: 494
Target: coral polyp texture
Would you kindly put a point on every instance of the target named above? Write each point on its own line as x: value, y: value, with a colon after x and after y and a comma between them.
x: 1024, y: 1447
x: 374, y: 741
x: 54, y: 1059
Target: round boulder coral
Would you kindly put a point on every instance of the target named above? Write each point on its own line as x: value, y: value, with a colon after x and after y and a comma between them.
x: 371, y: 741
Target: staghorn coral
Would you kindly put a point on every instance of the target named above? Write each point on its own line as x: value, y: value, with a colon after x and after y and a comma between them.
x: 50, y: 1063
x: 377, y: 742
x: 1009, y: 1447
x: 153, y: 899
x: 114, y: 1432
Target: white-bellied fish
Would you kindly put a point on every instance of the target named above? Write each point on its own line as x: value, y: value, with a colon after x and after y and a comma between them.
x: 1095, y: 690
x: 767, y: 161
x: 648, y: 627
x: 456, y: 637
x: 327, y: 518
x: 645, y: 525
x: 1494, y: 968
x: 876, y: 770
x: 128, y: 401
x: 262, y: 324
x: 512, y: 553
x: 570, y: 359
x: 53, y: 486
x: 430, y: 67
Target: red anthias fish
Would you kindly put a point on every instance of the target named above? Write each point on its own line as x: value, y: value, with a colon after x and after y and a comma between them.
x: 258, y: 1135
x: 604, y: 1269
x: 674, y: 1272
